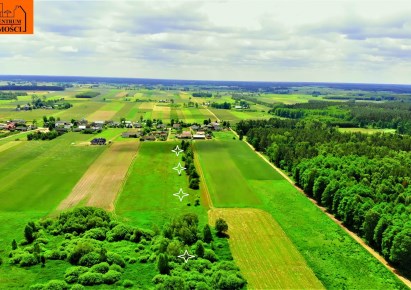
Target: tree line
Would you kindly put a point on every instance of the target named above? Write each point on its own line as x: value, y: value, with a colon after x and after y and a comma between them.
x: 393, y: 115
x: 87, y: 95
x: 11, y: 95
x: 363, y: 179
x: 225, y: 105
x: 30, y: 88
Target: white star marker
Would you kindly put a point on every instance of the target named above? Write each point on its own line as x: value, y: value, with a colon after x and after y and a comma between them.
x: 181, y: 194
x: 179, y: 168
x: 177, y: 150
x: 186, y: 256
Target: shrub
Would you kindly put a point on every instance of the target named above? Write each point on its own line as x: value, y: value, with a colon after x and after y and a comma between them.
x: 96, y: 234
x: 116, y: 268
x: 113, y: 258
x: 111, y: 277
x: 89, y: 279
x: 143, y: 258
x: 100, y: 268
x: 79, y: 251
x: 42, y: 241
x: 210, y: 255
x: 29, y: 233
x: 28, y: 260
x: 72, y: 274
x: 90, y: 259
x: 77, y: 287
x: 119, y: 233
x: 158, y: 279
x: 199, y: 249
x: 202, y: 286
x: 14, y: 245
x: 55, y: 285
x: 207, y: 236
x: 221, y: 226
x: 162, y: 264
x: 128, y: 284
x: 136, y: 236
x: 37, y: 287
x: 132, y: 261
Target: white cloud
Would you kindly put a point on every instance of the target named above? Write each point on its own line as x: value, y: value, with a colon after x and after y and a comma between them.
x: 359, y: 41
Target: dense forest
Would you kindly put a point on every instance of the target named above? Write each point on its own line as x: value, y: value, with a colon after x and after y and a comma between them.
x: 30, y: 88
x: 394, y: 115
x: 97, y: 249
x: 363, y: 179
x: 87, y: 95
x: 225, y: 105
x: 11, y: 95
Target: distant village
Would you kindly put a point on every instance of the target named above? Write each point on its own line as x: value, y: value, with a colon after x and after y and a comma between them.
x: 144, y: 130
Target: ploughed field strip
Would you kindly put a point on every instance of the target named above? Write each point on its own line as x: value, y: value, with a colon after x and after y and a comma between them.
x: 8, y: 145
x: 103, y: 180
x: 265, y: 255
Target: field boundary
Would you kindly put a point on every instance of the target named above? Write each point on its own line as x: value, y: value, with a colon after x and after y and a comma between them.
x: 339, y: 223
x: 130, y: 169
x: 203, y: 184
x: 101, y: 183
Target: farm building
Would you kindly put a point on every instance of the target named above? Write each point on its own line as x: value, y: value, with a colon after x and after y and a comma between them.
x: 149, y: 138
x: 185, y: 135
x: 98, y: 141
x: 176, y: 126
x: 130, y: 134
x: 198, y: 136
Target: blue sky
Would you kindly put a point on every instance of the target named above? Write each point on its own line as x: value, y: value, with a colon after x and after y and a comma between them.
x: 295, y: 40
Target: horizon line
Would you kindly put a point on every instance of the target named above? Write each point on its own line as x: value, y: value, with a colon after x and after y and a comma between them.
x: 204, y: 80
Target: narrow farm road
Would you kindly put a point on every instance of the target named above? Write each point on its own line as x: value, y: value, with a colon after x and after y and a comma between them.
x: 203, y: 184
x: 352, y: 234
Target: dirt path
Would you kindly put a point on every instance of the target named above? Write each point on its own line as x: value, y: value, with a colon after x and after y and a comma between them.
x: 352, y: 234
x: 103, y: 180
x: 203, y: 184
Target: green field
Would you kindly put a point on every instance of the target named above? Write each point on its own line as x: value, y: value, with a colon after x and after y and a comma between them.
x: 243, y: 180
x: 238, y: 166
x: 366, y: 130
x: 147, y: 196
x: 264, y: 253
x: 52, y: 168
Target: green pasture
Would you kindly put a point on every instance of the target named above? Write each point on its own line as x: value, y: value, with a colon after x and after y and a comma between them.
x: 287, y: 98
x: 79, y: 110
x: 227, y: 166
x: 37, y: 175
x: 237, y: 177
x: 366, y: 130
x: 147, y: 195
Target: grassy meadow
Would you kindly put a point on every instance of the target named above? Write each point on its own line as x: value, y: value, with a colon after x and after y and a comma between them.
x: 147, y: 195
x: 244, y: 181
x: 264, y: 253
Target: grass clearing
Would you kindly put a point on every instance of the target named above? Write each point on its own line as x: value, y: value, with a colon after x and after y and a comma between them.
x: 237, y: 167
x: 101, y: 183
x: 147, y: 195
x: 266, y: 256
x: 366, y: 130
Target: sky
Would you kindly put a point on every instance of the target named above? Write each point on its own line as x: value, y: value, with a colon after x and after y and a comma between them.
x: 261, y: 40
